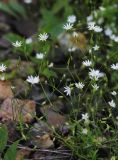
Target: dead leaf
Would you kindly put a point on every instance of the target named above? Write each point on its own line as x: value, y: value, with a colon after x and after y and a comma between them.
x: 5, y: 90
x: 17, y: 110
x: 22, y: 153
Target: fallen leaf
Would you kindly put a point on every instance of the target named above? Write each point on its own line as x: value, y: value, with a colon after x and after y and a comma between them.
x: 5, y: 90
x: 17, y: 110
x: 22, y: 153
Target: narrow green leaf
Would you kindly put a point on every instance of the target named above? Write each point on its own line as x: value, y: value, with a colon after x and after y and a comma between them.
x: 17, y: 8
x: 5, y: 8
x: 3, y: 137
x: 11, y: 152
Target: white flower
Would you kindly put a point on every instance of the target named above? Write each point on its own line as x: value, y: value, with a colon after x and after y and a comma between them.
x: 43, y: 37
x: 96, y: 47
x: 89, y: 18
x: 2, y: 78
x: 102, y: 8
x: 95, y: 87
x: 91, y: 25
x: 71, y: 49
x: 39, y: 55
x: 28, y: 40
x: 115, y: 38
x: 112, y: 104
x: 114, y: 93
x: 95, y: 74
x: 32, y: 79
x: 98, y: 29
x: 85, y: 117
x: 75, y: 34
x: 67, y: 90
x: 2, y: 68
x: 17, y: 44
x: 28, y: 1
x: 79, y: 85
x: 114, y: 66
x: 51, y: 65
x: 108, y: 32
x: 71, y: 19
x: 87, y: 63
x: 84, y: 131
x: 67, y: 26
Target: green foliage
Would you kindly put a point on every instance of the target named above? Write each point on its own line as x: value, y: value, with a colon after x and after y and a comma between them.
x: 13, y: 8
x: 3, y: 137
x: 11, y: 152
x: 49, y: 73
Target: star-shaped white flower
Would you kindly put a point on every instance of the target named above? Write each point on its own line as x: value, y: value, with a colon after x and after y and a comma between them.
x: 67, y: 26
x: 71, y: 19
x: 114, y: 93
x: 17, y: 44
x: 43, y: 37
x: 96, y: 47
x: 95, y: 74
x: 114, y: 66
x: 33, y: 80
x: 95, y: 87
x: 2, y: 68
x: 39, y: 55
x: 85, y: 117
x: 112, y: 103
x: 79, y: 85
x: 67, y: 90
x: 87, y: 63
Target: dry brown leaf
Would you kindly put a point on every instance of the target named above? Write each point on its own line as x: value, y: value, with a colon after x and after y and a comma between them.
x: 5, y: 90
x: 22, y: 153
x: 16, y: 109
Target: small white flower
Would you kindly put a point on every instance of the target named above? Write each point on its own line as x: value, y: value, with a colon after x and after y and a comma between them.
x: 33, y: 80
x: 28, y: 40
x: 114, y: 93
x: 39, y: 55
x: 67, y: 26
x: 114, y: 66
x: 2, y: 78
x: 95, y: 74
x: 28, y: 1
x: 51, y: 65
x: 79, y: 85
x: 98, y: 29
x: 95, y: 87
x: 43, y: 37
x: 102, y: 8
x: 112, y: 104
x: 71, y: 19
x: 85, y: 117
x: 87, y: 63
x: 91, y: 25
x: 2, y: 68
x: 96, y: 47
x: 114, y: 38
x: 67, y: 90
x: 71, y: 49
x: 17, y: 44
x: 75, y: 34
x: 84, y: 131
x: 108, y: 32
x: 89, y: 18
